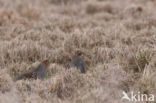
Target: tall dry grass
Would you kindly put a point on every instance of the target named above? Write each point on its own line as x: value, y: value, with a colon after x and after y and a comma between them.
x: 117, y: 38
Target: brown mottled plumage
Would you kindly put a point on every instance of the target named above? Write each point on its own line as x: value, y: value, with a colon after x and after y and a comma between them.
x: 37, y: 73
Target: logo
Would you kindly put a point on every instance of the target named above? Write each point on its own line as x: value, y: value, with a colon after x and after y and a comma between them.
x: 137, y: 97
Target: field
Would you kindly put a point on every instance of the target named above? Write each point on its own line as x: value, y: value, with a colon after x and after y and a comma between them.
x: 117, y: 38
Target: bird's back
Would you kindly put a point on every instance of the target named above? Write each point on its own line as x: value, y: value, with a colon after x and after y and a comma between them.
x: 26, y: 75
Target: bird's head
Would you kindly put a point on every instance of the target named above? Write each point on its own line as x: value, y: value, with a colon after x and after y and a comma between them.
x: 78, y: 53
x: 46, y: 62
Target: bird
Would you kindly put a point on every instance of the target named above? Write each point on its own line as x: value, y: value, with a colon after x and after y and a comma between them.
x: 37, y: 73
x: 78, y: 62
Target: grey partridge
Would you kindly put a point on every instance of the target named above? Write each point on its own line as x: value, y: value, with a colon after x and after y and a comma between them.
x: 37, y: 73
x: 78, y: 62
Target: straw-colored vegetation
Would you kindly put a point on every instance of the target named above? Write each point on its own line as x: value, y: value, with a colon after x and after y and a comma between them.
x: 117, y: 38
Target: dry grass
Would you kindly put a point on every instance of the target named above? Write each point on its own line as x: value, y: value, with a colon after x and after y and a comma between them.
x: 117, y: 38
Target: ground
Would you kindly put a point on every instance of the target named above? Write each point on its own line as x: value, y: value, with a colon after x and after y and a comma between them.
x: 117, y: 38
